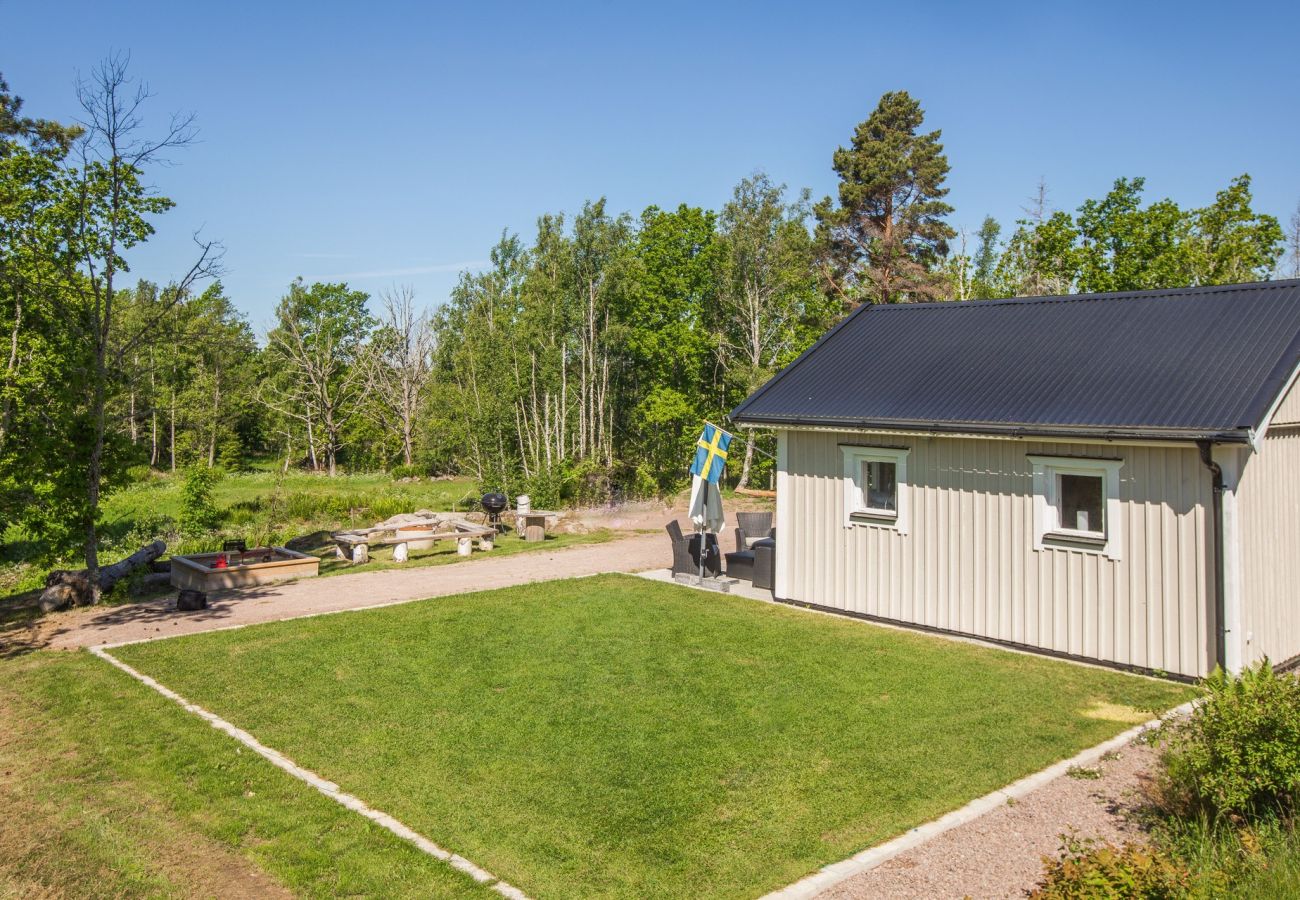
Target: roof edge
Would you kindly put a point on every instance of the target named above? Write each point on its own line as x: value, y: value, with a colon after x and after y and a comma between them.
x: 1150, y: 293
x: 1108, y: 433
x: 834, y: 329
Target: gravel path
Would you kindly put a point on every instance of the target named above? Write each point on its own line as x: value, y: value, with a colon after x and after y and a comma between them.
x: 999, y: 855
x: 158, y: 618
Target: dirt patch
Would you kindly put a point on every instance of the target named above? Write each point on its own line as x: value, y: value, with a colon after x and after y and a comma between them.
x: 999, y: 855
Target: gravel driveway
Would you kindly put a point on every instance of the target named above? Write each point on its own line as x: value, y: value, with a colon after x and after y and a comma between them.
x: 268, y: 603
x: 999, y: 855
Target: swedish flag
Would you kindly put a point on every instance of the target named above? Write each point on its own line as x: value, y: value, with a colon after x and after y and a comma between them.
x: 711, y: 454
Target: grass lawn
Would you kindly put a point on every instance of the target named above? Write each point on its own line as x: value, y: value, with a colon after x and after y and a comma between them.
x: 109, y: 790
x: 252, y: 497
x: 616, y: 737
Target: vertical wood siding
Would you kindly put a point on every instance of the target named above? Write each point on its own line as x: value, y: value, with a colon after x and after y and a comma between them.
x: 968, y: 562
x: 1288, y: 411
x: 1269, y: 497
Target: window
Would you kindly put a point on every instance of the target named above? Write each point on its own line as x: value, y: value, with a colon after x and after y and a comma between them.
x: 1079, y: 503
x: 1076, y: 504
x: 880, y: 479
x: 875, y: 486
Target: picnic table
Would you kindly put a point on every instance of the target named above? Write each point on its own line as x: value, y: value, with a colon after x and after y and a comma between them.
x: 355, y: 544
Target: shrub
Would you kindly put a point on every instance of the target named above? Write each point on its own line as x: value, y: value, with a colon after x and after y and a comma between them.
x: 139, y: 474
x: 198, y: 509
x: 1088, y: 870
x: 408, y: 472
x: 1238, y: 753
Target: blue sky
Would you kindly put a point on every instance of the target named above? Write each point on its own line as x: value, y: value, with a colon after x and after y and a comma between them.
x: 385, y: 143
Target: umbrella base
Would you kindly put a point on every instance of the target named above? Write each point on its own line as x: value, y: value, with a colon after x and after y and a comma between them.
x: 722, y: 585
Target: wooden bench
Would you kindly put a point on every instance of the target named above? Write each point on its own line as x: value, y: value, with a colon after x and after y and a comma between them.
x: 355, y: 545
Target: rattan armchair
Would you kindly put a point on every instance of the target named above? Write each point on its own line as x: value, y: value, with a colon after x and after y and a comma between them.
x: 686, y: 557
x: 750, y: 527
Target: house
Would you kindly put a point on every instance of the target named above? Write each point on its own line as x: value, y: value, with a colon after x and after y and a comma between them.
x: 1113, y: 477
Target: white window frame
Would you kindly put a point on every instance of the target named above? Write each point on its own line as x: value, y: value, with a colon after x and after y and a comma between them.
x: 856, y: 511
x: 1048, y: 532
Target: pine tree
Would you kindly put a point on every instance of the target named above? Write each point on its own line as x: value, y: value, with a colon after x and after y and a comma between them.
x: 886, y: 236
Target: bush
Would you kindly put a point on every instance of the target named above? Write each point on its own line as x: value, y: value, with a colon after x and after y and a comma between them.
x: 198, y: 509
x: 1087, y: 870
x: 1238, y: 753
x: 408, y: 472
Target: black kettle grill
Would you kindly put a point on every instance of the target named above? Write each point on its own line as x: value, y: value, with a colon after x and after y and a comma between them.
x: 494, y: 504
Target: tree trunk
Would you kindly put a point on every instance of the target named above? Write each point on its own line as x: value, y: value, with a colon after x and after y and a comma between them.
x: 64, y: 588
x: 749, y: 461
x: 172, y: 429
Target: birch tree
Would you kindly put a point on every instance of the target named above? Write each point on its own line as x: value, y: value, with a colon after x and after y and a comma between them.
x: 319, y: 336
x: 398, y: 366
x: 766, y: 286
x: 110, y: 208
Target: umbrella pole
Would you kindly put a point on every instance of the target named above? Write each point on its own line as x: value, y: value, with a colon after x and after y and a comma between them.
x: 704, y: 510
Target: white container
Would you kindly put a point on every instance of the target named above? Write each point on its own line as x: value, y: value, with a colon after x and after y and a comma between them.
x: 523, y: 504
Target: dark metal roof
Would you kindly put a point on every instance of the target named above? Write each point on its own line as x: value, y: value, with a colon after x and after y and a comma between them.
x: 1190, y: 364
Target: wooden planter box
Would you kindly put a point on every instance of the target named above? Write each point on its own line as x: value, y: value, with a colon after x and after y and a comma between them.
x: 197, y: 573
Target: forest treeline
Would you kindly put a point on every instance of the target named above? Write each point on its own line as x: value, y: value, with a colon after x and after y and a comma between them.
x: 577, y: 366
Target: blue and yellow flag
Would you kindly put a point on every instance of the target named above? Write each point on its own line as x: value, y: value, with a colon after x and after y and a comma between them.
x: 711, y: 454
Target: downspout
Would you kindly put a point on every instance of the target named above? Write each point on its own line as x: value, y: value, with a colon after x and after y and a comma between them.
x: 1216, y: 480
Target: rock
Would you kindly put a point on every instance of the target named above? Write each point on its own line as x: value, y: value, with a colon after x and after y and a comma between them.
x: 190, y: 601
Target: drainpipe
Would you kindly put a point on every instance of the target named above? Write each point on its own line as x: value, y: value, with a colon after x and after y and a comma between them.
x: 1227, y: 553
x: 1216, y: 480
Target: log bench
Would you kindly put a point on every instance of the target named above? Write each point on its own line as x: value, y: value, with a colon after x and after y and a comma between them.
x: 355, y: 545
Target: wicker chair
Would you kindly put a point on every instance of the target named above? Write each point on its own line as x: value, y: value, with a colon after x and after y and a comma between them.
x: 686, y: 557
x: 750, y: 527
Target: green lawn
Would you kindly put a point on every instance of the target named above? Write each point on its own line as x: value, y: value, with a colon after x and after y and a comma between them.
x: 109, y: 790
x: 616, y: 737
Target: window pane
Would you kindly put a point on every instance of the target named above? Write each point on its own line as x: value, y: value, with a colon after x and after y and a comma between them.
x: 881, y: 489
x: 1081, y: 503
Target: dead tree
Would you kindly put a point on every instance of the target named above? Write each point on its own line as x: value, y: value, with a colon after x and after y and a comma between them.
x: 64, y: 588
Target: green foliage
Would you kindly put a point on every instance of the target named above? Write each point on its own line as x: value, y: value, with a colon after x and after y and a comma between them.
x: 888, y: 232
x: 1117, y: 244
x: 1238, y: 753
x: 199, y: 511
x: 1088, y: 870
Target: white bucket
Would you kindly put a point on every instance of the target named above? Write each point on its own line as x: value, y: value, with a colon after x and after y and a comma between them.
x: 523, y: 504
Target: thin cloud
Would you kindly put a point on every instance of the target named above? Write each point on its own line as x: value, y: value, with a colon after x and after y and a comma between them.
x: 415, y: 270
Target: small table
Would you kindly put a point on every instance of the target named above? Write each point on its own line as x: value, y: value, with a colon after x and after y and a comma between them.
x: 532, y: 524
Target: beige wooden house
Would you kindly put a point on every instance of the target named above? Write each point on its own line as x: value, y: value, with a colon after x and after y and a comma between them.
x: 1114, y: 477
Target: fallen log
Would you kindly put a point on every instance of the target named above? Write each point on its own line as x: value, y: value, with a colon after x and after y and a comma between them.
x: 64, y: 588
